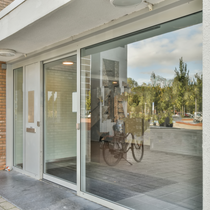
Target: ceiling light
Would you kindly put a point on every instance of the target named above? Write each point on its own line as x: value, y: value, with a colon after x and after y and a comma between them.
x: 114, y: 82
x: 125, y: 3
x: 7, y: 52
x: 67, y: 63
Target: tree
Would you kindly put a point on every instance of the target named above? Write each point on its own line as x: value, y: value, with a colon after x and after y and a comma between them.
x: 180, y: 85
x: 198, y: 91
x: 132, y: 83
x: 180, y: 93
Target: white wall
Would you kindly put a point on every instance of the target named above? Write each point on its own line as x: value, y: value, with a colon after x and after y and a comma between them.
x: 206, y: 104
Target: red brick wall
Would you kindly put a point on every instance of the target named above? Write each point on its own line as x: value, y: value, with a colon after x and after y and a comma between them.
x: 2, y: 117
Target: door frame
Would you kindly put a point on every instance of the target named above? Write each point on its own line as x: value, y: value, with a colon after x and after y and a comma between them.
x: 23, y: 170
x: 49, y: 177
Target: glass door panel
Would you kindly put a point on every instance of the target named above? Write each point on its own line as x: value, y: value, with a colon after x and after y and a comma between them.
x: 141, y: 117
x: 60, y: 82
x: 18, y: 117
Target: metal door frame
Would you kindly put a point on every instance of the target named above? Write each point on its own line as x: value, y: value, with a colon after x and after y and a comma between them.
x: 48, y: 177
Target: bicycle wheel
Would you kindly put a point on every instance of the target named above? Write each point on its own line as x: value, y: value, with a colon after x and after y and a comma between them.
x: 111, y: 153
x: 137, y: 151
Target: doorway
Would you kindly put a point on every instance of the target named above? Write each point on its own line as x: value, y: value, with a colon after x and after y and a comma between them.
x: 26, y: 101
x: 60, y: 115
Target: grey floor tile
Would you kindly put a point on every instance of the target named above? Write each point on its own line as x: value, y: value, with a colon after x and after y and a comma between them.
x: 144, y: 206
x: 30, y: 194
x: 156, y: 202
x: 160, y: 181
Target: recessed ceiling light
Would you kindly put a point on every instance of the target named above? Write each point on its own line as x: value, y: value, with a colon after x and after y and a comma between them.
x: 125, y: 3
x: 7, y: 52
x: 67, y: 63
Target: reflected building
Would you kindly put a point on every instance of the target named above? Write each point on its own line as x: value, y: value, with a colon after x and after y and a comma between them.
x: 108, y: 82
x: 85, y: 77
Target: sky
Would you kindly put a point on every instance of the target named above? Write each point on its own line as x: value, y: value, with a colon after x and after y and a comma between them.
x: 161, y: 54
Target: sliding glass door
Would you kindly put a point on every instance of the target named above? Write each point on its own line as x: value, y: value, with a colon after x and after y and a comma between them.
x: 141, y: 117
x: 60, y: 84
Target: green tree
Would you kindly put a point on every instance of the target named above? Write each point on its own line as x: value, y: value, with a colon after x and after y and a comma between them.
x: 132, y: 83
x: 140, y: 100
x: 180, y: 85
x: 198, y: 91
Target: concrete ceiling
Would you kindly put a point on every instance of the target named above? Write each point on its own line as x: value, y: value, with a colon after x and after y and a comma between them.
x: 72, y: 19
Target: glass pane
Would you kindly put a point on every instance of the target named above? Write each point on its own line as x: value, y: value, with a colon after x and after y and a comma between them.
x: 141, y: 118
x: 59, y: 119
x: 18, y: 118
x: 31, y: 106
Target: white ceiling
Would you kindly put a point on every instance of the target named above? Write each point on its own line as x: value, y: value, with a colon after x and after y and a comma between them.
x: 72, y: 19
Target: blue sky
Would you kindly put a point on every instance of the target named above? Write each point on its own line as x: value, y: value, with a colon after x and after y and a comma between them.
x: 161, y: 54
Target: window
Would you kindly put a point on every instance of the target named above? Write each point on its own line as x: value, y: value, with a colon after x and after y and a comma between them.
x: 141, y: 146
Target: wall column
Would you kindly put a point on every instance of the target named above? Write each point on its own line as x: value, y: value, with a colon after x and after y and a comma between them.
x: 206, y: 104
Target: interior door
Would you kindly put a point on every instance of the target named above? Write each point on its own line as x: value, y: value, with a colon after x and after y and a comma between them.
x: 32, y: 119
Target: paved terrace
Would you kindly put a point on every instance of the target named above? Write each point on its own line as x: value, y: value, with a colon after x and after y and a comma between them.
x: 162, y: 181
x: 26, y: 193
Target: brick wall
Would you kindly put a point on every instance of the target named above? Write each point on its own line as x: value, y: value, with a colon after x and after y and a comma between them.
x: 2, y: 117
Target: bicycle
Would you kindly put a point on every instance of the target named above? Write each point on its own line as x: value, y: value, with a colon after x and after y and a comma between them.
x: 114, y: 148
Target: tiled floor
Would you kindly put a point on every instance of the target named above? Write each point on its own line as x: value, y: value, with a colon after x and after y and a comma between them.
x: 30, y: 194
x: 169, y: 181
x: 162, y: 181
x: 6, y: 205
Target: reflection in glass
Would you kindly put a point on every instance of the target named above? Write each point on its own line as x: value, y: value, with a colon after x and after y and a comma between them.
x: 141, y: 118
x: 18, y: 118
x: 31, y: 106
x: 59, y: 119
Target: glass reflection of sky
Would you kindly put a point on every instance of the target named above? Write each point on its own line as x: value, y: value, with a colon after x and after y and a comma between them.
x: 161, y: 54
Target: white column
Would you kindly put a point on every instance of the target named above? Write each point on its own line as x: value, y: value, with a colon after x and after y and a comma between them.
x: 206, y: 104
